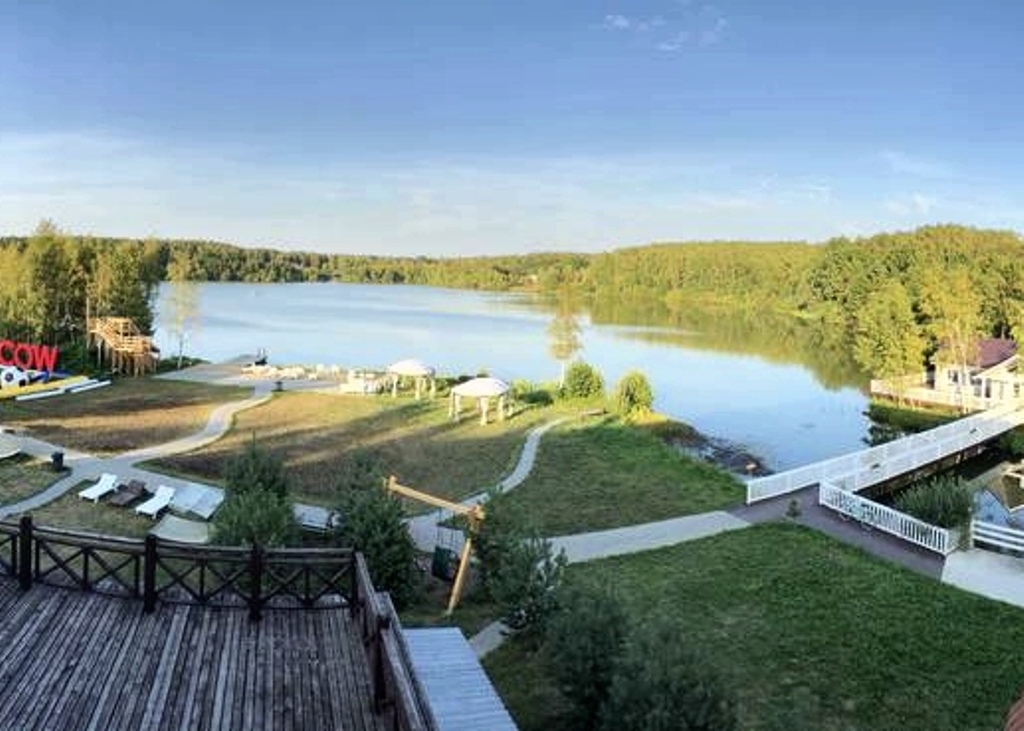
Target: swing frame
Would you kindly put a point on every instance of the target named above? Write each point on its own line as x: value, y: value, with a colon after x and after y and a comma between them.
x: 474, y: 514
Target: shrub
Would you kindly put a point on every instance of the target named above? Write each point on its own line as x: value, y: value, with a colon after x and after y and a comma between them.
x: 1012, y: 442
x: 531, y: 393
x: 946, y: 501
x: 256, y: 507
x: 659, y: 685
x: 633, y: 395
x: 584, y: 641
x: 373, y: 523
x: 582, y: 381
x: 256, y: 470
x: 519, y: 569
x: 255, y: 517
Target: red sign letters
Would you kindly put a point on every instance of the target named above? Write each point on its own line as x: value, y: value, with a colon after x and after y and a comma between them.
x: 28, y: 356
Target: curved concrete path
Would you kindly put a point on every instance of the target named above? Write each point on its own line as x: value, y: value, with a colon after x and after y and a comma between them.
x: 82, y: 466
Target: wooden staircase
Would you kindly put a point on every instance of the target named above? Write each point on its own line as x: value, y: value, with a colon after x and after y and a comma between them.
x: 120, y: 344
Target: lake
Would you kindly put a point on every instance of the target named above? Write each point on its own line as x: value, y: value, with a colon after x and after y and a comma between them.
x: 777, y: 410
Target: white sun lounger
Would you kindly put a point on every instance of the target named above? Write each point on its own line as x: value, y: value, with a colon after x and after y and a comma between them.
x: 160, y: 500
x: 105, y: 485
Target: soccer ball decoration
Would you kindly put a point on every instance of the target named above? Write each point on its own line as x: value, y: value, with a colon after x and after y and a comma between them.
x: 12, y: 376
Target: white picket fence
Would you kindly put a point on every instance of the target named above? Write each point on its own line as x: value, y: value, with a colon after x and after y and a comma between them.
x: 871, y: 466
x: 874, y: 515
x: 1000, y: 536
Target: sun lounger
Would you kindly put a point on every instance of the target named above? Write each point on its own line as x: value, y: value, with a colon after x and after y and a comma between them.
x: 105, y: 485
x: 128, y: 494
x: 160, y: 500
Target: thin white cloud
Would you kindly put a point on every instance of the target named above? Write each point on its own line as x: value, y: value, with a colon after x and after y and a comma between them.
x: 902, y: 163
x: 617, y: 22
x: 911, y: 205
x: 676, y: 42
x: 713, y: 34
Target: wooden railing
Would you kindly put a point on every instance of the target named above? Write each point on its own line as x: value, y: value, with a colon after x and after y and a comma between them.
x: 157, y: 571
x: 396, y: 691
x: 997, y: 536
x: 255, y: 578
x: 874, y: 515
x: 871, y: 466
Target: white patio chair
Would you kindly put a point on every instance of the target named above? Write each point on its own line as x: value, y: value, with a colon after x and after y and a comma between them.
x: 160, y: 500
x: 104, y: 486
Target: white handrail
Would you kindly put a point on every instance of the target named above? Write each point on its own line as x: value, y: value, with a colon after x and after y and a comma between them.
x: 873, y: 465
x: 886, y: 519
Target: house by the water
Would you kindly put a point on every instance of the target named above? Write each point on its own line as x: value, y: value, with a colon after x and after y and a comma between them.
x: 989, y: 377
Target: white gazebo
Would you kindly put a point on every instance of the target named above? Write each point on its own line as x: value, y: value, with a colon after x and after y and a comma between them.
x: 416, y: 370
x: 482, y: 389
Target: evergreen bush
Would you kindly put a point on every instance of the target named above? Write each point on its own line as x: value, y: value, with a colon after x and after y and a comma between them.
x: 582, y: 381
x: 946, y: 501
x: 633, y: 395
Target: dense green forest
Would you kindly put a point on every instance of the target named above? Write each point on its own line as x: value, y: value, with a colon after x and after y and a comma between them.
x: 884, y: 303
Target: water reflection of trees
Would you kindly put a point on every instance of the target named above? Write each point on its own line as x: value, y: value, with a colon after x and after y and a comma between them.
x: 776, y: 338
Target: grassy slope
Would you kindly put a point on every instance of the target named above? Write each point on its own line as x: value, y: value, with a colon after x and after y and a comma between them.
x: 314, y: 433
x: 591, y: 475
x: 812, y: 634
x: 131, y: 413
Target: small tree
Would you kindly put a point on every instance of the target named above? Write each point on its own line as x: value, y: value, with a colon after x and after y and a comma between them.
x: 582, y: 381
x: 257, y: 508
x: 519, y: 569
x: 633, y: 395
x: 373, y: 523
x: 584, y: 641
x: 181, y: 306
x: 256, y: 517
x: 256, y: 470
x: 659, y: 685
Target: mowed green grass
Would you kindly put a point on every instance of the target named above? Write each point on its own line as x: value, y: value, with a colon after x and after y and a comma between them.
x: 315, y: 433
x: 592, y: 474
x: 810, y: 634
x: 71, y: 512
x: 23, y: 475
x: 130, y: 413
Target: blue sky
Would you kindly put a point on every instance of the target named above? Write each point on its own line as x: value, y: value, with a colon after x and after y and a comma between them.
x: 460, y: 127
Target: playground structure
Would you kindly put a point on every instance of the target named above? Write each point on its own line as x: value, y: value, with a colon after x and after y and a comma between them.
x: 121, y: 345
x: 474, y: 515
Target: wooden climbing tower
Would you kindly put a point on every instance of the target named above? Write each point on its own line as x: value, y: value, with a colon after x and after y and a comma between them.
x: 120, y: 344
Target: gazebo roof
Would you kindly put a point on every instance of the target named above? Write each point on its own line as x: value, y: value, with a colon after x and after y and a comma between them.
x: 410, y: 367
x: 481, y: 387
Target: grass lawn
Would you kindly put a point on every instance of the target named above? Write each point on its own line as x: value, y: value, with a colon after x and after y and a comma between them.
x: 596, y: 474
x: 73, y: 513
x: 23, y: 475
x: 131, y: 413
x: 314, y: 433
x: 810, y: 634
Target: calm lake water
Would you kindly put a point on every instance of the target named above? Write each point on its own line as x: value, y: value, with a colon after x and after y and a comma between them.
x: 779, y: 411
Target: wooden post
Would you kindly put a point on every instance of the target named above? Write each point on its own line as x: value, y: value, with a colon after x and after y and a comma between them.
x: 25, y: 553
x: 149, y: 575
x: 460, y: 575
x: 256, y: 577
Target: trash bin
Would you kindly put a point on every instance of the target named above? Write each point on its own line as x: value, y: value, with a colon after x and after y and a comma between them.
x: 57, y: 458
x: 445, y: 563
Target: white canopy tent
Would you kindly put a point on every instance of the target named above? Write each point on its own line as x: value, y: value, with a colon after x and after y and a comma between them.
x: 416, y: 370
x: 483, y: 390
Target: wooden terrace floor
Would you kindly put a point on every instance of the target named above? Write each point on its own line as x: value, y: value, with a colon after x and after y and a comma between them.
x: 76, y: 660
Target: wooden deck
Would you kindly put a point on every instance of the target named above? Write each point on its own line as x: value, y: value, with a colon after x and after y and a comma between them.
x: 78, y: 660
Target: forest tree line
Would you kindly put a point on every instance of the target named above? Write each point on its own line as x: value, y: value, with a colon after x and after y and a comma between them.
x: 892, y: 299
